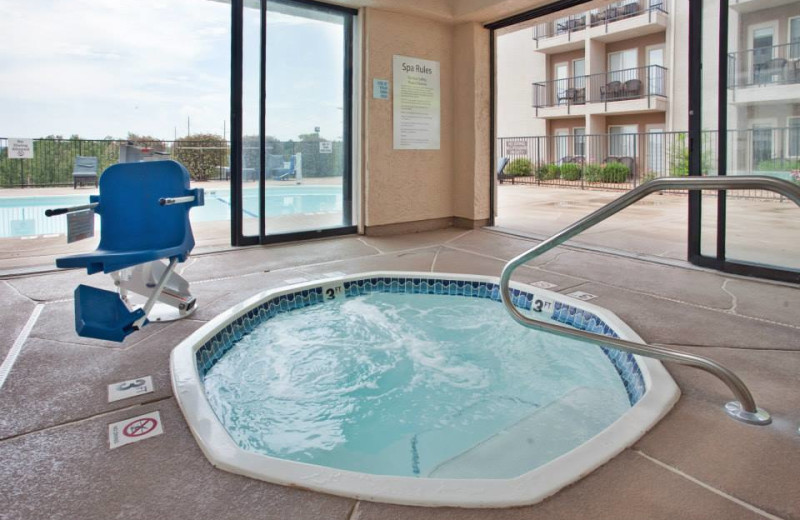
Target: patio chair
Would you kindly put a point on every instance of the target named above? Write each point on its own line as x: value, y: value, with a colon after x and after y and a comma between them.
x: 144, y: 210
x: 632, y: 88
x: 568, y: 95
x: 580, y: 96
x: 85, y: 170
x: 610, y: 91
x: 282, y: 173
x: 630, y: 9
x: 770, y: 71
x: 501, y: 167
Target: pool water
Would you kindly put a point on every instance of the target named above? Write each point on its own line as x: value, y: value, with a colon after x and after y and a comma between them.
x: 24, y: 216
x: 413, y: 385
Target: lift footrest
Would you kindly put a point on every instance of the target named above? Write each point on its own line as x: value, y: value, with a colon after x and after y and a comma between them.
x: 102, y: 314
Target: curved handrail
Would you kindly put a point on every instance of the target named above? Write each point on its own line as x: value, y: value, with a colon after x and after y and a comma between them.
x: 745, y: 408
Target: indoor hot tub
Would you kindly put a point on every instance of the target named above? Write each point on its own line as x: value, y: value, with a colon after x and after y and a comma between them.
x: 414, y: 388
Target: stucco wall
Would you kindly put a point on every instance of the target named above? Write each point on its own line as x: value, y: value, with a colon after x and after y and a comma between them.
x: 518, y: 67
x: 472, y: 157
x: 405, y: 185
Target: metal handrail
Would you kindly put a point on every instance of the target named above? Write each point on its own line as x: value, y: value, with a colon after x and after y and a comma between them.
x: 744, y: 409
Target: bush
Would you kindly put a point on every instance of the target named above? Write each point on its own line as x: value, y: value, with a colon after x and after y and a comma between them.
x: 519, y: 166
x: 615, y: 172
x: 779, y: 165
x: 570, y: 172
x: 202, y: 154
x: 593, y: 173
x: 548, y: 172
x: 649, y: 177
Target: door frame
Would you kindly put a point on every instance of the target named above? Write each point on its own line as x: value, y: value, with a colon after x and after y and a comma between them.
x: 719, y: 261
x: 237, y: 66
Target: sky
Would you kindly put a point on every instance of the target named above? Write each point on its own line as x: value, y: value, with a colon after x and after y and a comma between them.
x: 104, y: 68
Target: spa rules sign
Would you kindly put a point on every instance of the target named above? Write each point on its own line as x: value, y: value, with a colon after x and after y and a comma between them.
x: 417, y: 104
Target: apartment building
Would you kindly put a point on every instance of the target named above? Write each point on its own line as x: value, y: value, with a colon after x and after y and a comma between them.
x: 605, y: 81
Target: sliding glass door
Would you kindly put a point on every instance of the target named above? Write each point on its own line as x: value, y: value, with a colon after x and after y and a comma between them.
x: 746, y: 101
x: 293, y: 103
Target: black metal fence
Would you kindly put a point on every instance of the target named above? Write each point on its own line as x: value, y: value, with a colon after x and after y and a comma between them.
x: 606, y: 87
x: 622, y: 161
x: 54, y: 159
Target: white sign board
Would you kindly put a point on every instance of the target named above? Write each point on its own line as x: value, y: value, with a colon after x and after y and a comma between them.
x: 20, y: 148
x: 417, y: 104
x: 380, y: 88
x: 134, y: 429
x: 130, y: 388
x: 325, y: 147
x: 515, y: 148
x: 80, y: 225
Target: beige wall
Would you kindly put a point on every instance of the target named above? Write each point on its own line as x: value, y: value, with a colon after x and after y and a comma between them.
x: 779, y: 16
x: 569, y: 124
x: 518, y: 67
x: 472, y: 156
x: 405, y: 185
x: 641, y: 120
x: 426, y: 186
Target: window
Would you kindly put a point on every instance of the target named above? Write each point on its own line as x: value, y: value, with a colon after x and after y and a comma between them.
x: 579, y: 75
x: 579, y: 141
x: 622, y: 60
x: 561, y: 84
x: 762, y: 41
x: 656, y: 163
x: 794, y: 37
x: 622, y: 66
x: 762, y: 144
x: 562, y: 144
x: 793, y: 137
x: 622, y: 140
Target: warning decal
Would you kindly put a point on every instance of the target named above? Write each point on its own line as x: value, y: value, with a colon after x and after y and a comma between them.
x: 134, y: 429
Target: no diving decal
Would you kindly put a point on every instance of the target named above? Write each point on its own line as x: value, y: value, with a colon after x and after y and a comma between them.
x: 134, y: 429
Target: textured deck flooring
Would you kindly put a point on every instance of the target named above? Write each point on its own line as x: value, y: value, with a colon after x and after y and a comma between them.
x: 695, y: 464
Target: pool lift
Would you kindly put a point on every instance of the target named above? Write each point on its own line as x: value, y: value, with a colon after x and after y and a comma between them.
x: 144, y: 210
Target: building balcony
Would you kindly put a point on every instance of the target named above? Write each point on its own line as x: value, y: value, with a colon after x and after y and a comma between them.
x: 612, y: 23
x: 751, y: 6
x: 628, y: 91
x: 765, y: 75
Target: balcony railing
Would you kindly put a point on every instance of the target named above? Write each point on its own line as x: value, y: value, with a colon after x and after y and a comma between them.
x: 619, y: 85
x: 597, y: 17
x: 776, y: 65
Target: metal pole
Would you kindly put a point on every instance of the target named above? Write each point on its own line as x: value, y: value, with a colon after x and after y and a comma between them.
x: 744, y: 409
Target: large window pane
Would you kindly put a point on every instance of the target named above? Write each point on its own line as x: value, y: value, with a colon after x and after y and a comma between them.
x: 763, y: 113
x: 306, y: 138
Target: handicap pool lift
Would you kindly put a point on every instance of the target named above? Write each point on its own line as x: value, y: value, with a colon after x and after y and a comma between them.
x: 145, y: 231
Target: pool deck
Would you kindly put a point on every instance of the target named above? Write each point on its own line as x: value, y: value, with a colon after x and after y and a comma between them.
x: 695, y: 464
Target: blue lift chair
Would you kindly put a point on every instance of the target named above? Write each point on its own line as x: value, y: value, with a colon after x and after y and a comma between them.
x: 144, y: 233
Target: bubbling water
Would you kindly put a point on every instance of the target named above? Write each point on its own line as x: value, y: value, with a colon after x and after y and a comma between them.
x: 400, y: 384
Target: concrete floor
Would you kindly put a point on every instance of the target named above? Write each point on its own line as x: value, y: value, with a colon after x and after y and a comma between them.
x: 695, y: 464
x: 760, y: 231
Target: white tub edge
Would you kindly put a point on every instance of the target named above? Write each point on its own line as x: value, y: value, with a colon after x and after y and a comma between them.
x: 662, y: 393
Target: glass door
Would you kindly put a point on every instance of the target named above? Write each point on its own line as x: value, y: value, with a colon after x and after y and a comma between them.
x: 745, y: 128
x: 294, y: 176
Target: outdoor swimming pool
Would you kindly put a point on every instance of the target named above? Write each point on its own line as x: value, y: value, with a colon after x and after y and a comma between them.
x: 24, y: 216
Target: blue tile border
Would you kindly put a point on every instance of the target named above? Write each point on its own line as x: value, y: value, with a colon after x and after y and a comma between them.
x: 216, y: 347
